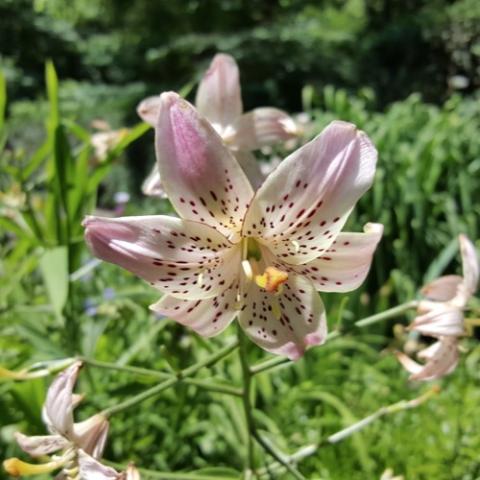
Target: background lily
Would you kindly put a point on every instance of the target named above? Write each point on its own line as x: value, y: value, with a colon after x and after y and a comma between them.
x: 65, y: 435
x: 219, y: 100
x: 441, y: 315
x: 260, y: 257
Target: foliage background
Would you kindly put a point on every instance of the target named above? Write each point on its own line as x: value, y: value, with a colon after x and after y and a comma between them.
x: 407, y: 72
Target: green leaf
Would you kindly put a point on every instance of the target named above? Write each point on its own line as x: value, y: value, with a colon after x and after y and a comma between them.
x: 52, y: 92
x: 3, y: 100
x: 54, y: 268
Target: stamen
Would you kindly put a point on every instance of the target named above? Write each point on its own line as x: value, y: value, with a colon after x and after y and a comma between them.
x: 247, y: 269
x: 277, y: 312
x: 200, y: 279
x: 272, y: 279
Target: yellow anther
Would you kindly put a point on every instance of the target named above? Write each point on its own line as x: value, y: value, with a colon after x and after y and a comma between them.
x: 16, y: 467
x: 272, y: 279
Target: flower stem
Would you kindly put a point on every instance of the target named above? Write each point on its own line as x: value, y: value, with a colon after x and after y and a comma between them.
x: 248, y: 409
x: 203, y: 384
x: 275, y: 362
x: 180, y: 376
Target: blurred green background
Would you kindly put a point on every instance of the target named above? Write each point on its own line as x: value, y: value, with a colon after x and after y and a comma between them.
x: 405, y: 71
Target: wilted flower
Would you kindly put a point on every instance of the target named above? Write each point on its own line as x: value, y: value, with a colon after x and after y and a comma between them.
x: 441, y: 315
x: 104, y: 142
x: 260, y: 256
x: 65, y: 435
x: 219, y: 100
x: 92, y: 469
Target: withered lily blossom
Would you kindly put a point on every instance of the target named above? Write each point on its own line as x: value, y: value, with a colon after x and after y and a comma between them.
x: 219, y: 100
x: 65, y: 436
x: 259, y: 256
x: 92, y: 469
x: 441, y: 315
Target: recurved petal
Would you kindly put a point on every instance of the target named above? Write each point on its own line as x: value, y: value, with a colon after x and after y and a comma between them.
x: 471, y: 267
x: 441, y: 321
x: 38, y: 446
x: 180, y: 257
x: 200, y: 175
x: 59, y: 404
x: 206, y: 317
x: 91, y: 435
x: 91, y: 469
x: 287, y: 323
x: 219, y: 97
x: 345, y: 265
x: 442, y: 289
x: 302, y: 206
x: 442, y: 358
x: 152, y: 185
x: 261, y: 127
x: 148, y: 109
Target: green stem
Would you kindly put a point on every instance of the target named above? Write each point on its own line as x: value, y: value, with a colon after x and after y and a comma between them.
x: 247, y: 407
x: 275, y: 362
x: 203, y: 384
x: 180, y: 376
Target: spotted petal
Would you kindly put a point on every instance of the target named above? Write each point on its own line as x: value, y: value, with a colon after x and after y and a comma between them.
x: 345, y: 265
x: 287, y: 323
x: 38, y: 446
x: 218, y: 96
x: 184, y: 258
x: 261, y: 127
x: 302, y: 206
x: 207, y: 317
x: 200, y: 175
x: 58, y: 408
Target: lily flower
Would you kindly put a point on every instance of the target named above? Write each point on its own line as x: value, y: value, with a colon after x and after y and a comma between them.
x: 92, y: 469
x: 65, y: 435
x: 441, y: 315
x: 260, y: 256
x: 441, y: 358
x: 219, y: 100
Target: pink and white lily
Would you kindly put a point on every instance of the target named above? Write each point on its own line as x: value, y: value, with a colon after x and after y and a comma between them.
x: 260, y: 256
x: 219, y: 100
x: 441, y: 315
x: 65, y: 435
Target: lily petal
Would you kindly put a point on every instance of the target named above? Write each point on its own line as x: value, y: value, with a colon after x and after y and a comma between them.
x: 206, y: 317
x: 184, y: 258
x: 261, y: 127
x: 219, y: 97
x: 91, y: 435
x: 442, y: 360
x: 302, y: 206
x: 470, y: 264
x: 148, y: 109
x: 58, y: 408
x: 345, y: 265
x: 201, y: 176
x: 38, y: 446
x: 152, y: 185
x: 440, y: 321
x: 442, y: 289
x: 286, y: 323
x: 91, y: 469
